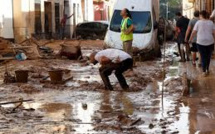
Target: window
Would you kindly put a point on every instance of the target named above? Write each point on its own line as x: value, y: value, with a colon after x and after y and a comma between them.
x: 141, y: 20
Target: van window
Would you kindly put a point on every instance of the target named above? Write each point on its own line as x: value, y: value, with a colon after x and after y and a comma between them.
x: 141, y: 20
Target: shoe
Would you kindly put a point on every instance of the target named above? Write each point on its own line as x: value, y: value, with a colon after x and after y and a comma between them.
x: 106, y: 88
x: 126, y: 89
x: 204, y: 74
x: 182, y: 60
x: 207, y: 72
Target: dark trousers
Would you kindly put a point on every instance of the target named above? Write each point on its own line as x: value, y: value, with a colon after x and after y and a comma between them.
x: 62, y: 32
x: 119, y: 68
x: 206, y: 53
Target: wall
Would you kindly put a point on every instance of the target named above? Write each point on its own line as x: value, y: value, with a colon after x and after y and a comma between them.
x: 24, y: 17
x: 208, y: 5
x: 89, y: 10
x: 188, y: 9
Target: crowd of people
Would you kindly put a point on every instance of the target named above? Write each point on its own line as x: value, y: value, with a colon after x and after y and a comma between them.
x: 200, y: 32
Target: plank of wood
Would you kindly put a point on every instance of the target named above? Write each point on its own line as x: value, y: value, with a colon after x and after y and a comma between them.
x: 21, y: 47
x: 7, y: 58
x: 6, y: 103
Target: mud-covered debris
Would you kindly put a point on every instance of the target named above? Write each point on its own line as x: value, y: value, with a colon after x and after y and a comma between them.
x: 71, y: 52
x: 29, y: 89
x: 61, y: 128
x: 8, y: 78
x: 176, y: 132
x: 135, y: 122
x: 151, y: 126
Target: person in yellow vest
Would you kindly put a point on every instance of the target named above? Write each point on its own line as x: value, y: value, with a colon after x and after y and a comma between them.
x: 127, y: 29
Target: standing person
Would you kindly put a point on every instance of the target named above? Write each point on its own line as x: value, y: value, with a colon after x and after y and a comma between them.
x: 63, y: 25
x: 113, y: 60
x: 205, y: 31
x: 181, y: 28
x: 194, y: 48
x: 127, y: 28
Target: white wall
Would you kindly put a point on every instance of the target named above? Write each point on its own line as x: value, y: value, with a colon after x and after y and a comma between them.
x: 89, y: 10
x: 188, y: 9
x: 6, y: 19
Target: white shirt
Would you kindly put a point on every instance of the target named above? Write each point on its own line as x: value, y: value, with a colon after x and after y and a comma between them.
x: 213, y: 14
x: 113, y: 55
x: 205, y: 29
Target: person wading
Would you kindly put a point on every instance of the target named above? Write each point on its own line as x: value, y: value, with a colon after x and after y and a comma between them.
x: 205, y: 31
x: 112, y: 60
x: 127, y: 28
x: 181, y: 28
x: 194, y: 48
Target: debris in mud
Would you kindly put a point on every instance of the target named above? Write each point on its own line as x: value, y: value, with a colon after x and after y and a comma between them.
x: 151, y: 126
x: 71, y: 52
x: 8, y: 78
x: 29, y: 89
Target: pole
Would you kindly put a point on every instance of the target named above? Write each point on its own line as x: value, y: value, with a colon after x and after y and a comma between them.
x: 167, y: 10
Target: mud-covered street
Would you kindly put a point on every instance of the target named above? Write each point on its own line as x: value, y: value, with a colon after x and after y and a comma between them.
x: 81, y: 104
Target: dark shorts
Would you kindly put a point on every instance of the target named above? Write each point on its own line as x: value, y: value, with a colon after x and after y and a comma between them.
x: 194, y: 47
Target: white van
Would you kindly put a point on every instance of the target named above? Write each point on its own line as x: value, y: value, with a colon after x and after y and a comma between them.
x: 145, y: 15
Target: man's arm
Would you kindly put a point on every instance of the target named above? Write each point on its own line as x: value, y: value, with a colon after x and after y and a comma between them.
x: 212, y: 15
x: 177, y: 31
x: 130, y: 29
x: 214, y: 34
x: 193, y: 35
x: 69, y: 16
x: 104, y: 60
x: 187, y: 33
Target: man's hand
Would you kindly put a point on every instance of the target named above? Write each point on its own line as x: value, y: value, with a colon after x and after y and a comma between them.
x: 104, y: 60
x: 186, y: 41
x: 129, y: 30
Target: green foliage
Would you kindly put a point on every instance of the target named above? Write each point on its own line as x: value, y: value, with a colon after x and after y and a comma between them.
x: 173, y: 7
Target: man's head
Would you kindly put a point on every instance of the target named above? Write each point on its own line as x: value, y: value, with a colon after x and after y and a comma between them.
x: 92, y: 58
x: 204, y: 14
x: 178, y: 14
x: 125, y: 13
x: 196, y: 14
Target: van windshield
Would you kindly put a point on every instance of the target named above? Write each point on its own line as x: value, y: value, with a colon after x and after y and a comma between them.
x: 141, y: 20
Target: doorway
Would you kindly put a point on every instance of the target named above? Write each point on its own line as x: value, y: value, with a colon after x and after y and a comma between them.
x: 57, y: 17
x: 38, y: 26
x: 48, y: 17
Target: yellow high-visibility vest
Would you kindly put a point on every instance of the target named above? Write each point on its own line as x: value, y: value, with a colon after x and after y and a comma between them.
x: 125, y: 37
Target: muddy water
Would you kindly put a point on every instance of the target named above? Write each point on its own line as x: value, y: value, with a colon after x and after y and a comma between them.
x: 200, y: 102
x: 76, y: 108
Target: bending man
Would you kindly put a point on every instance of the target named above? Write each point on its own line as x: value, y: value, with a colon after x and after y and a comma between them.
x: 112, y: 60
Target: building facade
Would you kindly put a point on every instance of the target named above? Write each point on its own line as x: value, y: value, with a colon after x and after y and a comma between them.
x: 189, y: 6
x: 41, y: 18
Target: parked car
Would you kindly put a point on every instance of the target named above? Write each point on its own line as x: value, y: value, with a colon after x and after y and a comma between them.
x: 91, y: 30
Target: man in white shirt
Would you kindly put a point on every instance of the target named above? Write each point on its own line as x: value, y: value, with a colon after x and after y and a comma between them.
x: 112, y: 60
